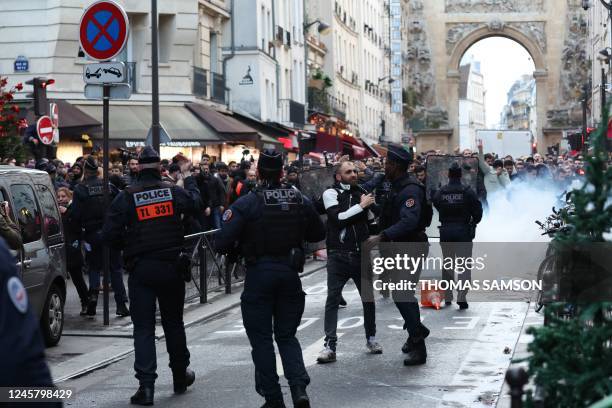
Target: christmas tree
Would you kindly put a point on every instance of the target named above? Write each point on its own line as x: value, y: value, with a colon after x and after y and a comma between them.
x: 11, y: 145
x: 571, y: 356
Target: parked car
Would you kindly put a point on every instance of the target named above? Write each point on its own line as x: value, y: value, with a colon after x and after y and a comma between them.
x: 41, y: 261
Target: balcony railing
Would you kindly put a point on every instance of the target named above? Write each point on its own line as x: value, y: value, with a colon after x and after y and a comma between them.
x: 217, y: 92
x: 321, y: 101
x: 200, y: 82
x: 210, y: 85
x: 291, y: 111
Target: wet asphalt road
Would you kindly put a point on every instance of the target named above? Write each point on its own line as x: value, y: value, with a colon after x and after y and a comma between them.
x: 465, y: 367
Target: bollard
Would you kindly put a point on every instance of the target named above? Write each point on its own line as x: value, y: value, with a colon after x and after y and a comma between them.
x: 516, y: 378
x: 203, y: 273
x: 228, y: 278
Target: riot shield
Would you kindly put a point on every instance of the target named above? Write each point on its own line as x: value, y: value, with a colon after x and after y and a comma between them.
x: 437, y: 171
x: 314, y: 181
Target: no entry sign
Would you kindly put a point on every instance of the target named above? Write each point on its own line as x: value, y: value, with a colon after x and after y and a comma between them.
x: 103, y: 30
x: 44, y: 129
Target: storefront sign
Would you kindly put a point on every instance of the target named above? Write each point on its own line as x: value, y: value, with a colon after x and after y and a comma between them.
x: 142, y: 143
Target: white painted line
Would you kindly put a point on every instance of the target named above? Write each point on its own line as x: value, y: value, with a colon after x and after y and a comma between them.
x: 309, y: 353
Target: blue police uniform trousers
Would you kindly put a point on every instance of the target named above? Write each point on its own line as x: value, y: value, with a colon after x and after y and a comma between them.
x: 152, y: 279
x: 272, y: 303
x: 405, y: 300
x: 456, y: 242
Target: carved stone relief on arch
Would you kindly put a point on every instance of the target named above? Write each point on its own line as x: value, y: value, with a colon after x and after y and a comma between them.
x: 498, y: 6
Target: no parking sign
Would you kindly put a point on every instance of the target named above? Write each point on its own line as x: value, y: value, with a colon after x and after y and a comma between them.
x: 103, y: 30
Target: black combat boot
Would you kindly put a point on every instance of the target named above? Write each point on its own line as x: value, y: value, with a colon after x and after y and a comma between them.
x: 463, y: 305
x: 183, y: 380
x: 83, y: 308
x: 417, y: 354
x: 409, y: 345
x: 92, y: 303
x: 122, y: 310
x: 144, y: 395
x: 299, y: 396
x: 274, y: 404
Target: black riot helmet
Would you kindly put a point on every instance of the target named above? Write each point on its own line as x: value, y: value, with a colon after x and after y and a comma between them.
x: 454, y: 171
x: 270, y: 165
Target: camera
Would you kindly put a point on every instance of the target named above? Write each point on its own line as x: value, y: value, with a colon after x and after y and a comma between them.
x: 126, y: 155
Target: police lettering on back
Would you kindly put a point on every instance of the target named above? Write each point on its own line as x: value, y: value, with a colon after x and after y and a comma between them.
x: 282, y: 196
x: 152, y: 196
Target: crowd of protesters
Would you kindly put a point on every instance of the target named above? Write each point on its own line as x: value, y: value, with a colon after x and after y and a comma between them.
x: 220, y: 183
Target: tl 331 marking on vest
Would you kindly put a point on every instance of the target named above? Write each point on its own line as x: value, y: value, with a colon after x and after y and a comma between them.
x: 282, y: 196
x: 152, y: 196
x: 147, y: 212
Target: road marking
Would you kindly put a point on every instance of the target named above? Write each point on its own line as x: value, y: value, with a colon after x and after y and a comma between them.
x: 308, y: 322
x: 464, y: 323
x: 342, y: 324
x: 239, y: 326
x: 309, y: 354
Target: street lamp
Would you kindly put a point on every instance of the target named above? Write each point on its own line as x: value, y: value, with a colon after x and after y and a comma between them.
x: 391, y: 80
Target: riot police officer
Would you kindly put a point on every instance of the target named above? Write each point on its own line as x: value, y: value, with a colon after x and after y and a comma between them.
x: 145, y: 219
x: 88, y: 211
x: 404, y: 217
x: 270, y: 225
x: 22, y: 351
x: 460, y: 211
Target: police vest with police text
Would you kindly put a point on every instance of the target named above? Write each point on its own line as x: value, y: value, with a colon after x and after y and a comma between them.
x: 94, y: 211
x: 281, y: 225
x: 155, y: 223
x: 453, y: 206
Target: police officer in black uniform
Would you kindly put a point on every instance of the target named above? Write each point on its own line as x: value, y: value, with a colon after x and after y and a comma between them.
x: 268, y: 227
x: 22, y: 352
x: 460, y: 211
x: 88, y: 211
x: 146, y: 219
x: 404, y: 217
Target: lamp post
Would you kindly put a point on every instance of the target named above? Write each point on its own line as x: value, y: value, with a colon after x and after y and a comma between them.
x: 154, y: 77
x: 608, y: 6
x: 383, y: 124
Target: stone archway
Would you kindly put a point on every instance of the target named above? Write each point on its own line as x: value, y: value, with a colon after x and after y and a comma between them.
x: 439, y: 32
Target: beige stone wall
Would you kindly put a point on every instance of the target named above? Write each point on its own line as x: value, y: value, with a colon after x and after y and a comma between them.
x: 542, y: 29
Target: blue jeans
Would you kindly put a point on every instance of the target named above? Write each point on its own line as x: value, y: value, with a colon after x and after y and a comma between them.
x: 95, y: 262
x: 215, y: 217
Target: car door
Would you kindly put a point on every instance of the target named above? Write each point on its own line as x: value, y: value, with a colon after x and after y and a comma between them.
x: 52, y: 228
x: 35, y: 257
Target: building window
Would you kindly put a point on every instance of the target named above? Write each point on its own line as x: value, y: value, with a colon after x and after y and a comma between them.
x: 166, y: 33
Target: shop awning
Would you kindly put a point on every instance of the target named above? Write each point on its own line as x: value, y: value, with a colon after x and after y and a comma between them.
x: 73, y: 122
x: 272, y: 131
x: 131, y: 123
x: 373, y: 152
x: 226, y: 126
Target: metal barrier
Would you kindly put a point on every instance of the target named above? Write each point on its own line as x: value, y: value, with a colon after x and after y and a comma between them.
x: 209, y: 271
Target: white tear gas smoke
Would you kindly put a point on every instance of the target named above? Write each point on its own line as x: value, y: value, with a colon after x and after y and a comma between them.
x: 512, y: 212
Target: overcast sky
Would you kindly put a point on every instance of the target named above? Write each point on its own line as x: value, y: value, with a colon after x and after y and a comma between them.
x: 502, y: 62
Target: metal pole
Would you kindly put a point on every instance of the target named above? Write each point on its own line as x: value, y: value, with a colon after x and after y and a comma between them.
x: 203, y: 272
x: 584, y: 116
x: 106, y: 252
x: 603, y: 90
x: 154, y: 76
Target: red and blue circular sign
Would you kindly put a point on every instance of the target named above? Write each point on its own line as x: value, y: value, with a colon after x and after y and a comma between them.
x: 103, y: 30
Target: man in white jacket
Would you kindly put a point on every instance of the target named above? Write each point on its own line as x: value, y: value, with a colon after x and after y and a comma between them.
x: 496, y: 178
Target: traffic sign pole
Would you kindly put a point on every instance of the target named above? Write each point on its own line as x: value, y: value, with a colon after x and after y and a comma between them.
x: 103, y: 33
x: 105, y: 147
x: 154, y: 77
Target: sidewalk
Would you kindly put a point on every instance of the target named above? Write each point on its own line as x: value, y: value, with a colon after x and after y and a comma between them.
x: 87, y: 344
x: 532, y: 319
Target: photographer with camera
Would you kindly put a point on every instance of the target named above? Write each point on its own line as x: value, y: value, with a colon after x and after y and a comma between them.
x: 8, y: 229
